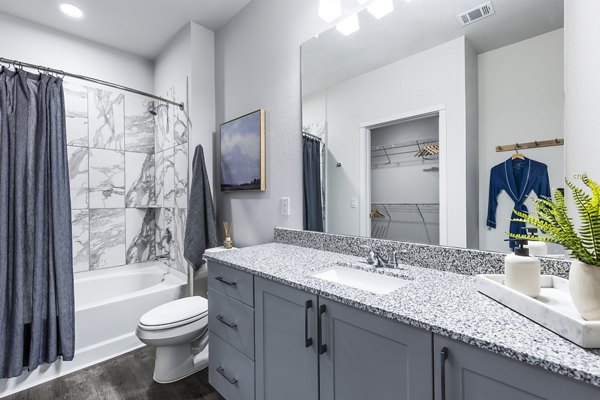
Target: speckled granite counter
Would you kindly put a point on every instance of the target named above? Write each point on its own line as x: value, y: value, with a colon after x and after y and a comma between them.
x: 445, y: 303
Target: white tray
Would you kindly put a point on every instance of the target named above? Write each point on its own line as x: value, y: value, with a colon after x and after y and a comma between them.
x: 553, y: 308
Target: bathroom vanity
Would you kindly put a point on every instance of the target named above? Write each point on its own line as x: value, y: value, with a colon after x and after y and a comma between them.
x: 277, y: 331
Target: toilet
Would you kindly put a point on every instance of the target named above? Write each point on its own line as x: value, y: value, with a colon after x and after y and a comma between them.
x: 179, y: 331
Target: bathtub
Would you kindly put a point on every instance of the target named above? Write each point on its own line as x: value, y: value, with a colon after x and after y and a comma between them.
x: 108, y: 305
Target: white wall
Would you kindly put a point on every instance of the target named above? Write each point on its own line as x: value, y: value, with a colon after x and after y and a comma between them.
x: 582, y: 88
x: 433, y: 77
x: 258, y: 66
x: 35, y: 44
x: 520, y: 100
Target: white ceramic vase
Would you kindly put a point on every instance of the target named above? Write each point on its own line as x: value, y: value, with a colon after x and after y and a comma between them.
x: 584, y: 285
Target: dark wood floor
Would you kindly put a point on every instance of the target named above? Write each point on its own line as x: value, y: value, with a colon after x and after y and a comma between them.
x: 127, y: 377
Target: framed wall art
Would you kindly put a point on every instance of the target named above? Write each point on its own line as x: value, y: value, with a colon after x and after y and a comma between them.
x: 243, y: 166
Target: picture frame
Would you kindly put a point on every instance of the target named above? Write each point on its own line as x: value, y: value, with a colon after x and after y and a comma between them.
x: 243, y: 164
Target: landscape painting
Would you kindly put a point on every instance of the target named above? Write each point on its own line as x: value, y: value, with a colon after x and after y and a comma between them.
x: 243, y: 153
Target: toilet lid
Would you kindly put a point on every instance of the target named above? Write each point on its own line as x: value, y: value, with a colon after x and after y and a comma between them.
x: 176, y: 313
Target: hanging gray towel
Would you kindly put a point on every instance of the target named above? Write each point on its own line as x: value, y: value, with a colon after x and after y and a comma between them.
x: 201, y: 225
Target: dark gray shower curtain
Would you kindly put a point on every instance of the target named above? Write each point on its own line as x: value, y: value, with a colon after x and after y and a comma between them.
x: 313, y: 206
x: 36, y: 267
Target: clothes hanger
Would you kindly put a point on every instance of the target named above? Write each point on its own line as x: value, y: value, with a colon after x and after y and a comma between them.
x: 517, y: 154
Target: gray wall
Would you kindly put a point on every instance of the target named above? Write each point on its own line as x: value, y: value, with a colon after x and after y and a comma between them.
x: 258, y: 66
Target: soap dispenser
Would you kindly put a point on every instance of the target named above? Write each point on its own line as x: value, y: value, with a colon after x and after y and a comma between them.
x: 522, y: 270
x: 536, y: 248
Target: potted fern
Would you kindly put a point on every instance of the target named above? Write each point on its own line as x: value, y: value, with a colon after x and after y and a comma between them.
x: 551, y: 216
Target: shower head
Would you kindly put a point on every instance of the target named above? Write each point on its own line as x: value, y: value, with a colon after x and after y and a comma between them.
x: 152, y: 109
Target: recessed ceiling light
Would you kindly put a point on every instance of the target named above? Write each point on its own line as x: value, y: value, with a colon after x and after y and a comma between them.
x: 348, y: 25
x: 71, y: 10
x: 381, y: 8
x: 330, y: 9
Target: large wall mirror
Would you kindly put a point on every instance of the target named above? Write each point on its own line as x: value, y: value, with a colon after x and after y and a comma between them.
x: 411, y: 121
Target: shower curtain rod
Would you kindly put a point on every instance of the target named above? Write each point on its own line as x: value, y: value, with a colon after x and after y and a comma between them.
x: 40, y: 68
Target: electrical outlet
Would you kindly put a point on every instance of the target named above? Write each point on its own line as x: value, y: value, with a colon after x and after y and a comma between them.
x: 354, y: 202
x: 285, y: 206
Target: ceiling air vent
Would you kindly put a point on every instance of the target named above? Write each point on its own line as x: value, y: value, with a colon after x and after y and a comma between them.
x: 475, y: 14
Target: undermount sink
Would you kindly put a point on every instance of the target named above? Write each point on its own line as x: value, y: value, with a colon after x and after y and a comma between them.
x: 361, y: 279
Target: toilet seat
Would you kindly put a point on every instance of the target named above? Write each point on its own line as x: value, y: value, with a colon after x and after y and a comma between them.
x: 175, y: 314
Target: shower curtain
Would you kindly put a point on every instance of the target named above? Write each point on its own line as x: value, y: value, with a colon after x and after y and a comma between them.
x: 36, y: 273
x: 313, y: 206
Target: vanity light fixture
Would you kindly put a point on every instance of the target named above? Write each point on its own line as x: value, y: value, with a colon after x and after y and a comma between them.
x: 348, y: 25
x: 330, y: 9
x: 381, y: 8
x: 71, y: 10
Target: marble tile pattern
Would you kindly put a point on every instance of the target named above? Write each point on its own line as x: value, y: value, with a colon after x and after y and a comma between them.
x: 169, y: 178
x: 180, y: 172
x: 80, y: 222
x: 79, y: 176
x: 443, y: 303
x: 76, y: 113
x: 107, y: 238
x: 126, y: 165
x: 139, y: 124
x: 106, y: 114
x: 164, y: 128
x: 140, y: 235
x: 449, y: 259
x: 159, y: 178
x: 139, y: 179
x: 179, y: 224
x: 107, y: 178
x: 165, y: 232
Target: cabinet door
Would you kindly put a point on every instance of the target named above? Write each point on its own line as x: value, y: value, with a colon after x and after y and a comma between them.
x: 285, y: 352
x: 370, y: 357
x: 471, y: 373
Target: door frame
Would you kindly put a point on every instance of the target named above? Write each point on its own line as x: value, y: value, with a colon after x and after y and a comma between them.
x: 365, y: 164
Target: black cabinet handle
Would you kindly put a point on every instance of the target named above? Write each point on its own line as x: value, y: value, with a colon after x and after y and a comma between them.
x: 220, y: 318
x: 221, y: 371
x: 222, y: 280
x: 322, y: 346
x: 308, y: 341
x: 443, y: 358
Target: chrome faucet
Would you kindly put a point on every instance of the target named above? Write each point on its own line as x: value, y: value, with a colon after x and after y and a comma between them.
x: 376, y: 260
x: 373, y: 258
x: 394, y: 257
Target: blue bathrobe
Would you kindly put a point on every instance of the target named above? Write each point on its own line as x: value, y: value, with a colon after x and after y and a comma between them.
x: 518, y: 178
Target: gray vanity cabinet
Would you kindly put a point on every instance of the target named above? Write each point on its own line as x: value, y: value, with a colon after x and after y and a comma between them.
x: 366, y: 356
x: 464, y: 372
x: 287, y: 365
x: 308, y: 347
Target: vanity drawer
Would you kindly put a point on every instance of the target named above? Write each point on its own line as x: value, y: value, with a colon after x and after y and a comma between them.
x: 231, y: 282
x: 230, y: 372
x: 232, y: 320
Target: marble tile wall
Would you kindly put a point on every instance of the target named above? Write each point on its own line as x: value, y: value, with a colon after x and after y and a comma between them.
x: 129, y: 177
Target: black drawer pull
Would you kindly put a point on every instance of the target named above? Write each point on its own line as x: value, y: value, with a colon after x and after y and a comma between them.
x: 221, y: 371
x: 222, y: 280
x: 443, y: 358
x: 308, y: 341
x: 322, y: 346
x: 220, y: 318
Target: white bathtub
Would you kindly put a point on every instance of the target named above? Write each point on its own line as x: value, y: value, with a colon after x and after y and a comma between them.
x: 108, y: 305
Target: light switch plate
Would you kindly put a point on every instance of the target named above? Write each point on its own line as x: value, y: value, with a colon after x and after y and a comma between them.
x: 354, y: 202
x: 284, y: 204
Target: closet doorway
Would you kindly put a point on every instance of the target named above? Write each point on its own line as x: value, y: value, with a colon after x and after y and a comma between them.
x: 403, y: 177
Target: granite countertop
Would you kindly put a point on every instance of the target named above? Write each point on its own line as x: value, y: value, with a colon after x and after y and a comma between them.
x: 445, y: 303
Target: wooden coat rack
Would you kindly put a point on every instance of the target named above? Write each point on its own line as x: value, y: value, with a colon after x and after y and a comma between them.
x: 531, y: 145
